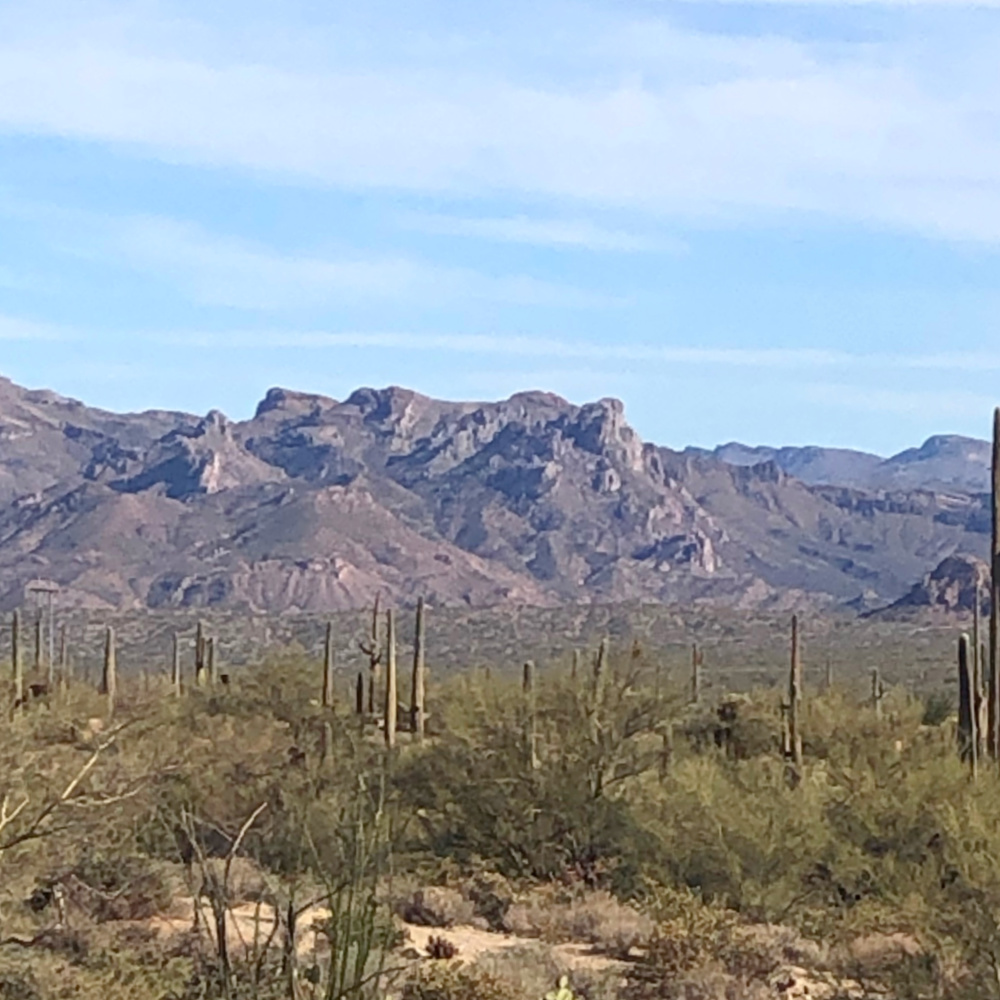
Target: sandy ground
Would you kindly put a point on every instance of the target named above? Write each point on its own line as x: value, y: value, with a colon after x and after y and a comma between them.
x: 249, y: 926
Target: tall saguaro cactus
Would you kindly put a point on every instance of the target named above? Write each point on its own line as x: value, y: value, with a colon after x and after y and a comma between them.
x: 175, y: 667
x: 16, y: 658
x: 697, y: 661
x: 211, y: 666
x: 531, y: 714
x: 600, y: 671
x: 967, y: 737
x: 391, y: 697
x: 418, y: 693
x: 795, y: 699
x: 993, y: 689
x: 199, y: 655
x: 109, y: 676
x: 64, y: 668
x: 327, y: 700
x: 39, y: 642
x: 373, y: 650
x: 978, y: 667
x: 878, y: 692
x: 50, y: 663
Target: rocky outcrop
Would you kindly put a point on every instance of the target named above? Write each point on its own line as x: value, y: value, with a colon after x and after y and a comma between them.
x: 953, y: 585
x: 205, y: 458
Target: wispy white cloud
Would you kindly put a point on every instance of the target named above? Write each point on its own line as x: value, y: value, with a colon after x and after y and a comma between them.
x: 519, y: 345
x: 569, y: 233
x: 655, y: 117
x: 218, y: 270
x: 530, y: 346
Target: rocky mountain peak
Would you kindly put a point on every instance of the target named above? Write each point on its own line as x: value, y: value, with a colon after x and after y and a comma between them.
x: 289, y: 403
x: 601, y: 429
x: 953, y: 585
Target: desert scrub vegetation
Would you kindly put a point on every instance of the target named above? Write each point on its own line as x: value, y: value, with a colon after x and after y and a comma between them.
x: 263, y: 834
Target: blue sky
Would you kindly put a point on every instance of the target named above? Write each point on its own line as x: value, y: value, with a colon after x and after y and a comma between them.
x: 773, y: 222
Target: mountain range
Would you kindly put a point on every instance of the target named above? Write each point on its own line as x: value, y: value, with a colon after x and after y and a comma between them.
x: 944, y: 462
x: 316, y: 504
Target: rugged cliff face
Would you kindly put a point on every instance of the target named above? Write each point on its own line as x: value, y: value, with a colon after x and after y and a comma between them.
x: 316, y: 505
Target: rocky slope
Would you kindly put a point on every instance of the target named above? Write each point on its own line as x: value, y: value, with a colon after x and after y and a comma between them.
x: 316, y: 504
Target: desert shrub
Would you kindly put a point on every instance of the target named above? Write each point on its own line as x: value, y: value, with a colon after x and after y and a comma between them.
x: 18, y: 986
x: 435, y: 906
x: 591, y: 917
x: 535, y: 971
x: 701, y: 950
x: 938, y: 707
x: 480, y: 798
x: 492, y: 896
x: 118, y: 888
x: 440, y: 981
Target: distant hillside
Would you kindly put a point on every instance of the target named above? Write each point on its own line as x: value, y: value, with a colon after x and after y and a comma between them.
x: 943, y: 462
x: 316, y: 505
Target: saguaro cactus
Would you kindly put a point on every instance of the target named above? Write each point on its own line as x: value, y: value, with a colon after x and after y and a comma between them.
x: 391, y: 698
x: 50, y: 663
x: 359, y: 695
x: 418, y: 693
x: 327, y: 700
x: 795, y: 699
x: 878, y: 692
x: 666, y: 750
x: 531, y: 714
x: 17, y: 663
x: 967, y: 739
x: 211, y: 668
x: 39, y: 640
x: 109, y: 675
x: 993, y: 690
x: 175, y: 666
x: 64, y: 669
x: 978, y: 668
x: 697, y: 662
x: 600, y: 671
x: 199, y: 655
x: 373, y: 651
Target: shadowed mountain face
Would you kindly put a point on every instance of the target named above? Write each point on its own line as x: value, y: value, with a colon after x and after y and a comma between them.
x: 317, y: 505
